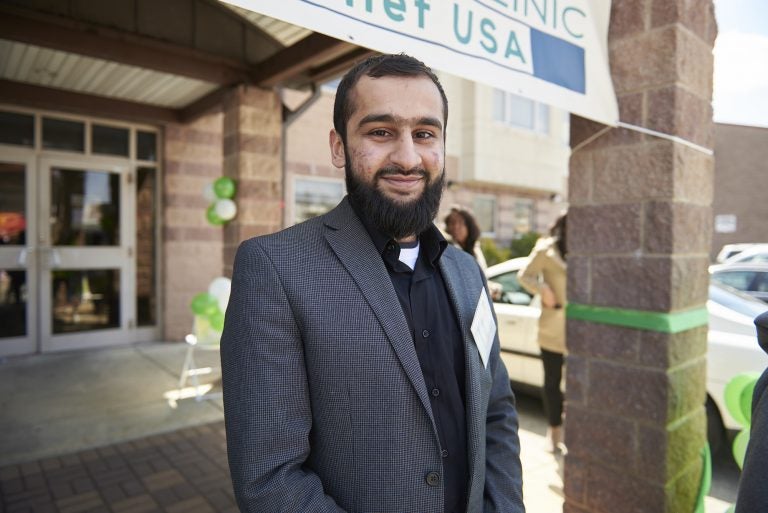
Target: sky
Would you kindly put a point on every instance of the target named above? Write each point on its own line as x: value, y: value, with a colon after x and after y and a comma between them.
x: 741, y: 62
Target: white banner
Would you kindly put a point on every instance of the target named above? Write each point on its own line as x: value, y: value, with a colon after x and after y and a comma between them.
x: 552, y: 51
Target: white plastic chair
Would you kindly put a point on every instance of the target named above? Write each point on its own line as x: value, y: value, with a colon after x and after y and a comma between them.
x: 202, y: 338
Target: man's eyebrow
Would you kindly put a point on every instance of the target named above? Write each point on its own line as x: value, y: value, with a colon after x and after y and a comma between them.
x: 389, y: 118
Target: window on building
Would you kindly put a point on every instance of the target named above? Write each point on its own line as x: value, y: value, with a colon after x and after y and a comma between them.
x: 484, y: 208
x: 523, y: 216
x: 315, y: 197
x: 519, y: 112
x: 146, y: 247
x: 146, y: 146
x: 110, y: 140
x: 18, y: 129
x: 63, y: 134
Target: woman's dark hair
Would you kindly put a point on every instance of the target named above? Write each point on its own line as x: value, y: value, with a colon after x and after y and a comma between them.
x: 387, y: 65
x: 558, y: 232
x: 473, y: 230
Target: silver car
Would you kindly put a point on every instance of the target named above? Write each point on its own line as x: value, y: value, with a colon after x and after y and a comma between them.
x: 750, y: 278
x: 732, y: 342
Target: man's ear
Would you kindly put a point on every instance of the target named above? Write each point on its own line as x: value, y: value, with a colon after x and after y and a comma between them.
x: 337, y: 149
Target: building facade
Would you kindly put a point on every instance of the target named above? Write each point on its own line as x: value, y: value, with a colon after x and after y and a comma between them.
x: 739, y: 205
x: 114, y: 117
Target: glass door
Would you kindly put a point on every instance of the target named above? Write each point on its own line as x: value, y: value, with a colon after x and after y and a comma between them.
x: 18, y: 280
x: 85, y: 253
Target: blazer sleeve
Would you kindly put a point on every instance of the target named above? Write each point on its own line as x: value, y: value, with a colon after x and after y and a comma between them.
x: 266, y: 400
x: 503, y: 469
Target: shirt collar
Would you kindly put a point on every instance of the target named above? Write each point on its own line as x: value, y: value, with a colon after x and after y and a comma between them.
x: 432, y: 241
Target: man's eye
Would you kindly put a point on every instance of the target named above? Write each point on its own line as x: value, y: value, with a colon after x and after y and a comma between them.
x: 380, y: 132
x: 423, y: 134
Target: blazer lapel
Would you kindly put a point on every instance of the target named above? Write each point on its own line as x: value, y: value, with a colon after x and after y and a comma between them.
x: 350, y: 241
x: 464, y: 292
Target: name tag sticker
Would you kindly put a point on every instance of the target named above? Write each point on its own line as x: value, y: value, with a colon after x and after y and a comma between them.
x: 483, y: 327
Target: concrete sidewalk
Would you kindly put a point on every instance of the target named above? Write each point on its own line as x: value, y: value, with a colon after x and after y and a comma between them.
x: 107, y: 430
x: 62, y: 403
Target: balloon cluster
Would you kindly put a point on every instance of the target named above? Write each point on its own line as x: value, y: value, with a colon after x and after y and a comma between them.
x: 219, y: 194
x: 209, y: 308
x: 738, y: 399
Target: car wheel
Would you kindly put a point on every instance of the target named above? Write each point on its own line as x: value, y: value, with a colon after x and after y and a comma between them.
x: 715, y: 428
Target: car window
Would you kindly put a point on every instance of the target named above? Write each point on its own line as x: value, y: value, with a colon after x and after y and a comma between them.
x: 735, y: 300
x: 739, y: 280
x: 755, y: 257
x: 761, y: 282
x: 511, y: 291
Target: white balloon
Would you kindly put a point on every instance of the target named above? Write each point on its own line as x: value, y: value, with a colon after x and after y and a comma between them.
x: 208, y: 193
x: 220, y: 288
x: 223, y: 301
x: 225, y: 209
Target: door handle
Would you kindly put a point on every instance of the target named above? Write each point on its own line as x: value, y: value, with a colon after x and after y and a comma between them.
x: 55, y: 259
x: 22, y: 260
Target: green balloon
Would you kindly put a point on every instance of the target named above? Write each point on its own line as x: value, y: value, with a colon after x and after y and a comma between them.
x: 224, y: 187
x: 217, y: 319
x: 735, y: 394
x: 204, y: 304
x: 740, y: 447
x: 746, y: 400
x: 212, y: 216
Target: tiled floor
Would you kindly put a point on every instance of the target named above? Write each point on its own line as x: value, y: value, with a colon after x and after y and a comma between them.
x: 183, y: 471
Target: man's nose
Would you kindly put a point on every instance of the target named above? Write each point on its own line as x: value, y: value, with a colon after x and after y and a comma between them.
x: 405, y: 155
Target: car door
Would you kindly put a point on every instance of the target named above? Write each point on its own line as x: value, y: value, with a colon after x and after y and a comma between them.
x: 759, y: 287
x: 518, y: 316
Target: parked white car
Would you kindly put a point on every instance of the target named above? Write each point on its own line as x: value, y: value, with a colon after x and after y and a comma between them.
x: 732, y: 341
x: 746, y: 251
x: 751, y: 278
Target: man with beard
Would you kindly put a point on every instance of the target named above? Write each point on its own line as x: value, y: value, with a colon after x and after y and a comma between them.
x: 360, y: 358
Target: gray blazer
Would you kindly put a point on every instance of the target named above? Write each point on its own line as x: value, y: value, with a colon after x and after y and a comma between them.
x: 325, y: 404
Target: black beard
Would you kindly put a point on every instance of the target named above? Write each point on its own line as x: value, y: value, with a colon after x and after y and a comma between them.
x: 398, y: 220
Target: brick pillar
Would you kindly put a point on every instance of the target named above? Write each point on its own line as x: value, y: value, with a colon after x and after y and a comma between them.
x: 639, y: 232
x: 191, y: 247
x: 252, y: 157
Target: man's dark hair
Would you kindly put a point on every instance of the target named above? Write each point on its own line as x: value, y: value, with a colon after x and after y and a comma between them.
x: 377, y: 66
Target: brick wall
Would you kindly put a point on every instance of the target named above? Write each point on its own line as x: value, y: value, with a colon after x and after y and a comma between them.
x: 252, y: 157
x: 242, y: 142
x: 639, y: 233
x: 192, y: 248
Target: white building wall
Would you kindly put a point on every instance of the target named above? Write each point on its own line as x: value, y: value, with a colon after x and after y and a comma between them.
x: 492, y: 152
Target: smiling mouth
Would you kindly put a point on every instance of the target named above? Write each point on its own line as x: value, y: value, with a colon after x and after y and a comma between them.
x: 403, y: 183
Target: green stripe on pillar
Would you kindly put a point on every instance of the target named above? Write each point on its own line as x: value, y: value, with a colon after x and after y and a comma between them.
x: 640, y: 319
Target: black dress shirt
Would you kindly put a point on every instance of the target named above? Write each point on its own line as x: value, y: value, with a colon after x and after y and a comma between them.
x: 440, y: 348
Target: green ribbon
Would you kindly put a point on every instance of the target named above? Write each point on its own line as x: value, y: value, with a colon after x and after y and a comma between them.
x: 664, y: 322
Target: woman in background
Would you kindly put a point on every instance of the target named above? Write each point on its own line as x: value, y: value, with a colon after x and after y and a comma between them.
x: 545, y: 274
x: 465, y: 233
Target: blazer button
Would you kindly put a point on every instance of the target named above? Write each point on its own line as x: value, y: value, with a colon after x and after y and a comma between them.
x: 433, y: 479
x: 425, y: 333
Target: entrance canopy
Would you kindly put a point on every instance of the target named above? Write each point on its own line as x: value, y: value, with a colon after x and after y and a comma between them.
x: 552, y: 51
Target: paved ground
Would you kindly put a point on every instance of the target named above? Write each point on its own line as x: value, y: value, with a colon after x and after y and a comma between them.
x: 183, y: 471
x: 109, y: 431
x: 60, y: 403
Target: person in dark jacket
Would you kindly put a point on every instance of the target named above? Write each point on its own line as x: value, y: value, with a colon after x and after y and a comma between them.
x: 753, y: 486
